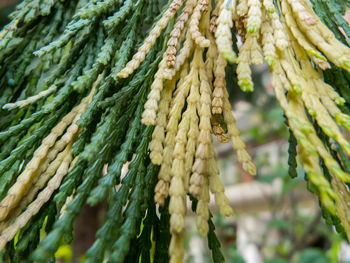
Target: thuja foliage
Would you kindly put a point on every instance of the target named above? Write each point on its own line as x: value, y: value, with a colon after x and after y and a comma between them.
x: 89, y: 87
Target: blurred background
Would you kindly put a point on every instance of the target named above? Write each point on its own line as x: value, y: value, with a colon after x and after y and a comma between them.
x: 276, y: 219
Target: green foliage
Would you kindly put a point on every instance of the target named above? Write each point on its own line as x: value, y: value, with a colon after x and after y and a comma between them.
x: 213, y: 242
x: 292, y: 154
x: 162, y: 235
x: 56, y: 45
x: 331, y: 12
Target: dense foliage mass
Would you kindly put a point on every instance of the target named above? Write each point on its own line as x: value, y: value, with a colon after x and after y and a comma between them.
x: 72, y: 106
